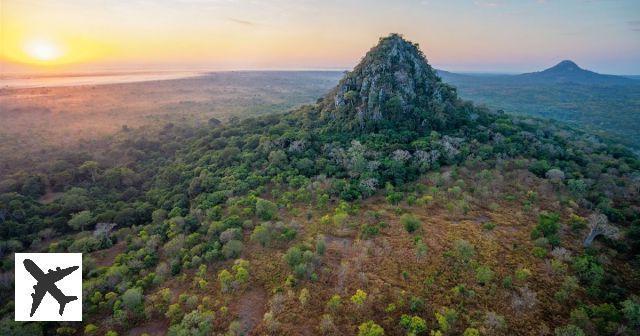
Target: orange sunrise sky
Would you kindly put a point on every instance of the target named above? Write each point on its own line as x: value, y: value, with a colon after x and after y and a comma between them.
x: 497, y: 36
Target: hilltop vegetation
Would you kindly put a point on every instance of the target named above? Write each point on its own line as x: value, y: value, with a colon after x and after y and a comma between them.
x: 390, y: 207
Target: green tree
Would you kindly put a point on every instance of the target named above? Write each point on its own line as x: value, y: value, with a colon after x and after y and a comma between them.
x: 174, y: 313
x: 132, y: 300
x: 91, y: 168
x: 261, y: 234
x: 631, y: 311
x: 232, y: 249
x: 414, y: 325
x: 370, y: 328
x: 226, y: 280
x: 195, y: 323
x: 81, y: 219
x: 265, y: 209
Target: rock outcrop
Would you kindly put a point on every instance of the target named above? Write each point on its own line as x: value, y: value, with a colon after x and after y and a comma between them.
x: 393, y: 86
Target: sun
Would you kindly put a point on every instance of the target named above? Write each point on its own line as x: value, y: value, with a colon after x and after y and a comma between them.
x: 42, y: 50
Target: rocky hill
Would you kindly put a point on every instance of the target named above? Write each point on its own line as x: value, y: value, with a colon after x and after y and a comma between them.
x: 393, y: 86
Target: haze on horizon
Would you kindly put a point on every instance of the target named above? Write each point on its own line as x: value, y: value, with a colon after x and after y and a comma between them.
x: 459, y: 35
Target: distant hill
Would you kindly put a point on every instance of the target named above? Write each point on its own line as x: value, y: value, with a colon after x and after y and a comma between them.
x: 569, y: 72
x: 564, y: 72
x: 605, y: 104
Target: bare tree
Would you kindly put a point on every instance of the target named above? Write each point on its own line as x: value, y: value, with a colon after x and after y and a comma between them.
x: 599, y: 225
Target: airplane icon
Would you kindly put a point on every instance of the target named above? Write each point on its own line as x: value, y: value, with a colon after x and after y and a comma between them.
x: 46, y: 283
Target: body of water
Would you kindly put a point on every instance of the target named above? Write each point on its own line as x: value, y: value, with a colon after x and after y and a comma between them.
x: 35, y: 81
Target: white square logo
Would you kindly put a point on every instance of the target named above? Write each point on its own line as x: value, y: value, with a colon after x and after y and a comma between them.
x: 48, y: 286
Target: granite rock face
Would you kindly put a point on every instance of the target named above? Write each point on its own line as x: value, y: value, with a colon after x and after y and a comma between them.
x: 393, y: 85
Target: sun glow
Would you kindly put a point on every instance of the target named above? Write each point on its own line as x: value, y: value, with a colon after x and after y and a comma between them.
x: 42, y: 50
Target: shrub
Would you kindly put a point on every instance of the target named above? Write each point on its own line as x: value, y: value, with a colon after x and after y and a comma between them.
x: 588, y: 270
x: 463, y: 250
x: 226, y: 280
x: 471, y: 332
x: 81, y: 219
x: 321, y: 245
x: 410, y: 222
x: 394, y: 197
x: 539, y: 252
x: 522, y: 274
x: 568, y: 287
x: 301, y: 262
x: 548, y: 226
x: 446, y: 319
x: 569, y: 330
x: 369, y: 231
x: 261, y: 234
x: 577, y: 223
x: 416, y: 304
x: 304, y: 296
x: 359, y: 297
x: 232, y: 249
x: 132, y: 300
x: 369, y: 328
x: 334, y: 302
x: 293, y: 256
x: 494, y: 322
x: 230, y: 234
x: 540, y: 167
x: 631, y: 311
x: 558, y: 267
x: 507, y: 282
x: 90, y: 329
x: 174, y: 313
x: 414, y: 325
x: 266, y: 210
x: 327, y: 327
x: 85, y: 245
x: 484, y: 275
x: 488, y: 226
x: 195, y: 323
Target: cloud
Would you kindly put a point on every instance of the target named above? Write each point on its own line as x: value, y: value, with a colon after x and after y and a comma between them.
x: 242, y: 22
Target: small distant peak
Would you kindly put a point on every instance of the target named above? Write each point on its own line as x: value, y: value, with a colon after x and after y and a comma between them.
x: 566, y: 65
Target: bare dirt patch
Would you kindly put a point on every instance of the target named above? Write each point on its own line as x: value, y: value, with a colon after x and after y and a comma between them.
x: 106, y: 257
x: 158, y: 328
x: 250, y: 309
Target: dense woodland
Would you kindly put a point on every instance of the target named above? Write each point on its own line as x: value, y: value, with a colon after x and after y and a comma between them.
x: 390, y: 207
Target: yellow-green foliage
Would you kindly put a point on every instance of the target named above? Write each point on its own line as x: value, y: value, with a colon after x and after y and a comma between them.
x: 359, y: 297
x: 370, y: 328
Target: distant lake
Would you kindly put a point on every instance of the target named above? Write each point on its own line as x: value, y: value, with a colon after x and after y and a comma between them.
x: 96, y: 78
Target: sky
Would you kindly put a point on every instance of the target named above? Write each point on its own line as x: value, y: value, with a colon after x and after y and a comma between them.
x: 456, y: 35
